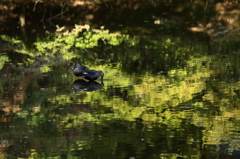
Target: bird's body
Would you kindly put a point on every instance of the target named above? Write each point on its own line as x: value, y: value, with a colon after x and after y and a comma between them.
x: 77, y: 69
x: 82, y: 71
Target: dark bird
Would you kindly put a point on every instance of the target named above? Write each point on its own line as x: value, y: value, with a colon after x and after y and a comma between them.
x: 77, y: 69
x: 89, y: 86
x: 91, y: 75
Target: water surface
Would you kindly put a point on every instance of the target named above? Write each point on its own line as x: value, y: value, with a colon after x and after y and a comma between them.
x: 166, y: 93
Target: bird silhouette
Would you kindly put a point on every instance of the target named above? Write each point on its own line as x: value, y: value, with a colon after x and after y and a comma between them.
x: 88, y: 86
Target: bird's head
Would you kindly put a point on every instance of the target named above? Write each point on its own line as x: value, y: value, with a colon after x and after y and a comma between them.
x: 76, y: 65
x: 100, y: 73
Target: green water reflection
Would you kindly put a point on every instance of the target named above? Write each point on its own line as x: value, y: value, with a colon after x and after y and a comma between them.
x: 161, y: 97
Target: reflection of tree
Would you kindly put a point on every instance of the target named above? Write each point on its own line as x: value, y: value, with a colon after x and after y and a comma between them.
x: 138, y: 107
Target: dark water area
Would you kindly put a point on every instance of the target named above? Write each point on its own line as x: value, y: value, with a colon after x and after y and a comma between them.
x: 170, y: 87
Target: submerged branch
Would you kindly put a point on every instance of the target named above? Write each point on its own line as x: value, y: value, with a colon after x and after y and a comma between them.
x: 44, y: 14
x: 49, y: 19
x: 64, y: 6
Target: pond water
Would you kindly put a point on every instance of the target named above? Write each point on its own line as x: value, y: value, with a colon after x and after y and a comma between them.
x: 166, y: 92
